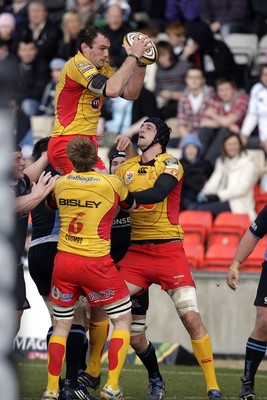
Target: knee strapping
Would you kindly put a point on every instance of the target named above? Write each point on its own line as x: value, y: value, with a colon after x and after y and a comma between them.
x: 63, y: 312
x: 138, y: 327
x: 119, y: 309
x: 185, y: 300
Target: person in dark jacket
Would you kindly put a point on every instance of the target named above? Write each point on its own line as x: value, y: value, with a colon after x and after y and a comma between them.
x: 213, y: 55
x: 196, y: 169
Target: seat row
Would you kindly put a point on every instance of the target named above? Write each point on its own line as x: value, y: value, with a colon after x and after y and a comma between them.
x: 211, y: 245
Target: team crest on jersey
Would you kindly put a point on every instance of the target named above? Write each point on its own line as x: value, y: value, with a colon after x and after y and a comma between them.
x: 95, y: 103
x: 129, y: 177
x: 171, y: 162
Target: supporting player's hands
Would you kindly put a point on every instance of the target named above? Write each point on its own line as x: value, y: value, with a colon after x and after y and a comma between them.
x: 45, y: 185
x: 233, y: 277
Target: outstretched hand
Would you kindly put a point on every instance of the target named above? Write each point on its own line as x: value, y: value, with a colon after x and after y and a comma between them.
x: 233, y: 277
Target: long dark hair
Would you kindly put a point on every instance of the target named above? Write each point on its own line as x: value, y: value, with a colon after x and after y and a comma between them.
x: 227, y: 136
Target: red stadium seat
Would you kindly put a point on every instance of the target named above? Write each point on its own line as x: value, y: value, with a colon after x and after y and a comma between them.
x: 218, y: 257
x: 256, y: 258
x: 194, y: 253
x: 261, y: 201
x: 228, y: 229
x: 196, y: 225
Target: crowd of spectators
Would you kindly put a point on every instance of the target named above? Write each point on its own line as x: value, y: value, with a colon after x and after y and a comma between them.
x: 195, y: 81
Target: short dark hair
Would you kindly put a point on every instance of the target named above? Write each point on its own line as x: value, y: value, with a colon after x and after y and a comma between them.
x: 82, y: 153
x: 39, y: 147
x: 195, y: 68
x: 164, y: 45
x: 87, y: 35
x: 226, y: 79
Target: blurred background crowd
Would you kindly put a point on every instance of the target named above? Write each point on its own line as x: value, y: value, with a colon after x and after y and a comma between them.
x: 209, y: 82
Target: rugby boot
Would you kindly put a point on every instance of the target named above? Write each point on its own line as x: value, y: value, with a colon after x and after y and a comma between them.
x: 156, y: 389
x: 89, y: 380
x: 214, y: 394
x: 247, y: 389
x: 107, y: 393
x: 50, y: 395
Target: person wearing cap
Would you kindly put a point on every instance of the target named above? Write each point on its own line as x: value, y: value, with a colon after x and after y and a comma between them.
x: 155, y: 179
x: 47, y: 105
x: 84, y: 82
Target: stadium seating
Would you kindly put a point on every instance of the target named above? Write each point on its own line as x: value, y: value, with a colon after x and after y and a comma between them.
x: 218, y: 257
x: 228, y: 228
x: 194, y: 253
x: 256, y: 258
x: 196, y: 225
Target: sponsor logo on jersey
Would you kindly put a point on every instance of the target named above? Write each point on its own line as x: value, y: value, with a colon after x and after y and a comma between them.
x: 265, y: 300
x: 96, y: 103
x: 129, y: 177
x: 142, y: 171
x: 79, y: 203
x: 82, y: 179
x: 87, y: 69
x: 254, y: 226
x: 171, y: 161
x: 82, y: 64
x: 104, y: 294
x: 56, y: 294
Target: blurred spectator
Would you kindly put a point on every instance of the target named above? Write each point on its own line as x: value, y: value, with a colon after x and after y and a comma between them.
x: 22, y: 127
x: 170, y: 82
x: 116, y: 27
x: 197, y: 170
x: 71, y: 25
x: 149, y: 13
x: 231, y: 185
x: 213, y: 55
x: 87, y: 9
x: 56, y: 9
x: 193, y: 102
x: 19, y: 8
x: 47, y: 105
x: 226, y: 112
x: 43, y: 32
x: 226, y: 16
x: 9, y: 70
x: 176, y: 34
x: 33, y: 77
x: 182, y: 10
x: 7, y: 30
x: 259, y: 11
x: 257, y: 114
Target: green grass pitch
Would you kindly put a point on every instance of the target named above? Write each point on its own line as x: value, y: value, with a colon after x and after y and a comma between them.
x: 182, y: 382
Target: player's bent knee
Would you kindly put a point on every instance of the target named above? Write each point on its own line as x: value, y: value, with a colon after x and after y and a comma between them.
x: 138, y: 327
x: 115, y: 311
x: 63, y: 312
x: 185, y: 300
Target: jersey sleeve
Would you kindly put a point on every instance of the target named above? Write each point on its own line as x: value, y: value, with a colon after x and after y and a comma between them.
x: 259, y: 227
x: 126, y: 199
x: 173, y: 167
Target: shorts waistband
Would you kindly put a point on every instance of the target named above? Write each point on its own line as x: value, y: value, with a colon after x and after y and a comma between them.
x: 156, y: 241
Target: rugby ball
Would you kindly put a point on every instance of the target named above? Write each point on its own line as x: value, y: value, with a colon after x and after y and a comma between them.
x: 150, y: 55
